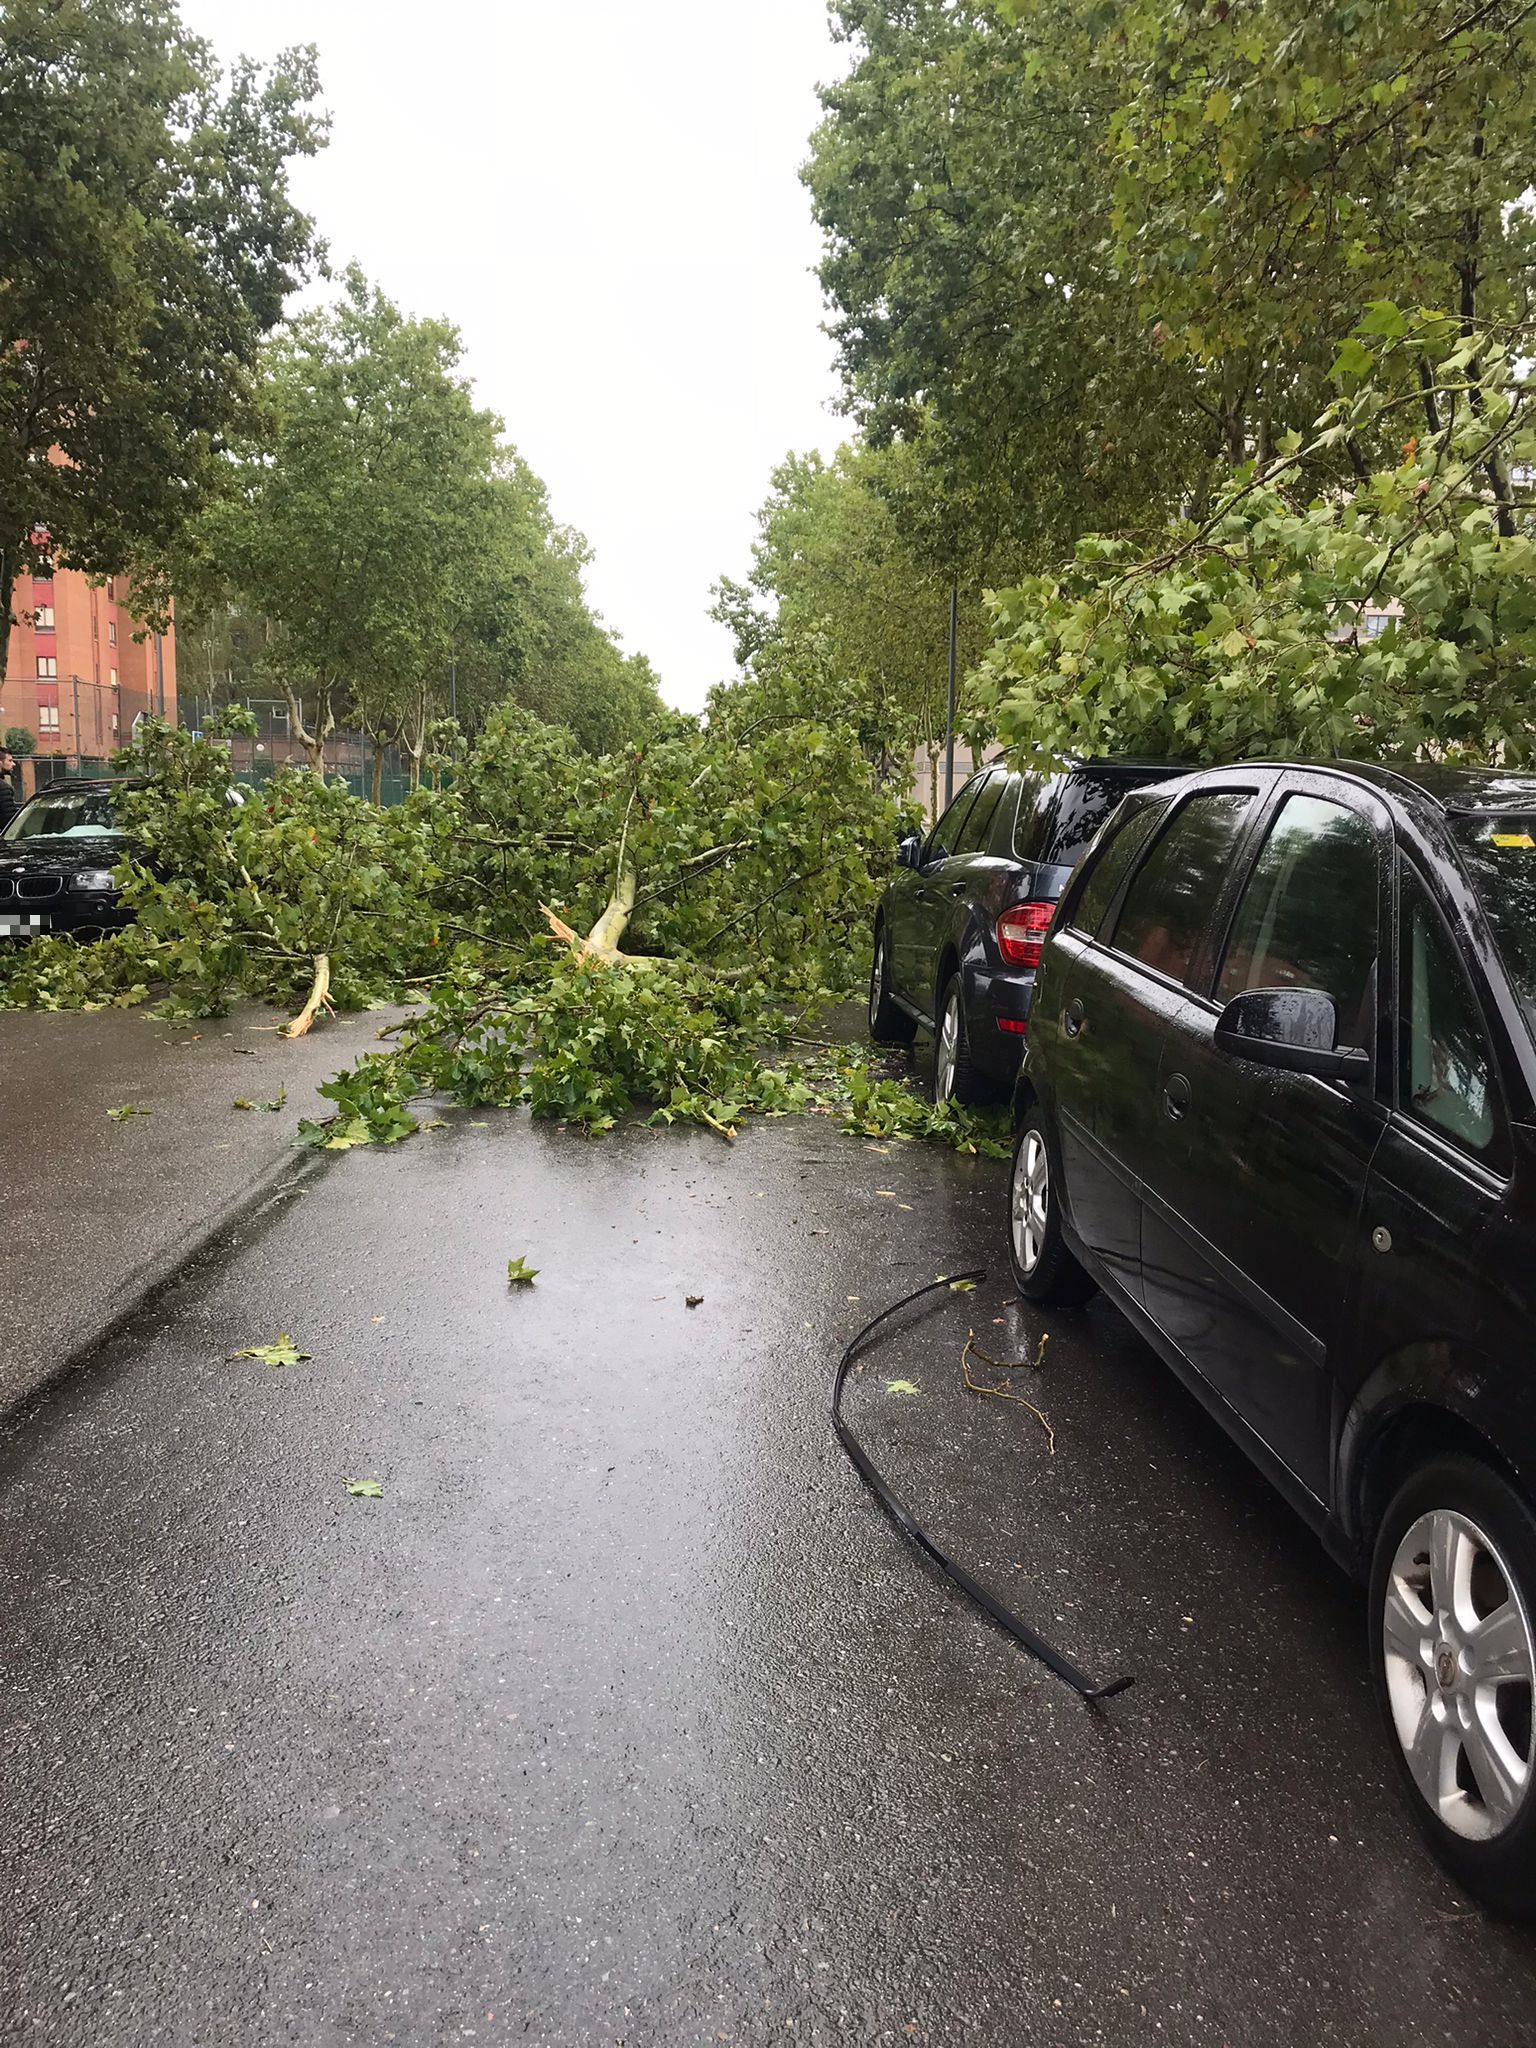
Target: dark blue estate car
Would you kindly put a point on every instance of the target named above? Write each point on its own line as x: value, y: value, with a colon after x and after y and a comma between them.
x: 1279, y: 1103
x: 958, y: 932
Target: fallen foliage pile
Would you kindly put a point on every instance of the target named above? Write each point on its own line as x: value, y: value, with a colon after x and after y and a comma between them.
x: 654, y: 930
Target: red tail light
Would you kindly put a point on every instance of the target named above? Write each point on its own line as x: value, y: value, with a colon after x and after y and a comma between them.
x: 1021, y: 932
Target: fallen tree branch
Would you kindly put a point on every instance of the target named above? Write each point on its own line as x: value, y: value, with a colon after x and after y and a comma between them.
x: 319, y: 994
x: 1004, y: 1393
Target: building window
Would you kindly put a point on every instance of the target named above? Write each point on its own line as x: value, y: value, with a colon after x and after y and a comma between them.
x: 42, y: 574
x: 111, y: 588
x: 42, y: 618
x: 48, y: 717
x: 113, y: 673
x: 114, y: 721
x: 1375, y: 624
x: 111, y: 632
x: 47, y: 667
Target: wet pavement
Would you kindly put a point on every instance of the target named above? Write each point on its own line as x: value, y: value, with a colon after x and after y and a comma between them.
x: 95, y: 1213
x: 624, y: 1715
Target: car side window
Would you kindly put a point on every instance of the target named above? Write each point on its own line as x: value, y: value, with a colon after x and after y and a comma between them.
x: 942, y: 840
x: 1446, y: 1070
x: 973, y: 834
x: 1174, y: 891
x: 1103, y: 879
x: 1037, y: 800
x: 1310, y: 914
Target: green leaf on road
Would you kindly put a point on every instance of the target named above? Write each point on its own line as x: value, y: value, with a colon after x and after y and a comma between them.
x: 901, y: 1387
x: 121, y: 1116
x: 520, y: 1273
x: 283, y: 1352
x: 365, y: 1489
x: 244, y: 1102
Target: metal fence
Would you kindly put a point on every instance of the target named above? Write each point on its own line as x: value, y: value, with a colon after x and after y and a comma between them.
x: 348, y: 755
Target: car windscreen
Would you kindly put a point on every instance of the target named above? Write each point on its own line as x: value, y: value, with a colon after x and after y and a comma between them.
x: 65, y: 814
x: 1499, y: 851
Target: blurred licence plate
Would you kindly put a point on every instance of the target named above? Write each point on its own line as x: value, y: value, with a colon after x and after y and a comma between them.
x: 22, y: 925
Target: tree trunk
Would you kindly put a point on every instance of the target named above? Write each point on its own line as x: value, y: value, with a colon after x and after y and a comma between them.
x: 377, y: 791
x: 311, y: 738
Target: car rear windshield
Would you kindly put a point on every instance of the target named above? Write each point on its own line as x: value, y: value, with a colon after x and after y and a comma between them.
x: 65, y: 814
x: 1499, y: 849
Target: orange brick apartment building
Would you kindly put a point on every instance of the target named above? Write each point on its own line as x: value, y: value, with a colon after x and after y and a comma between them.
x: 77, y: 677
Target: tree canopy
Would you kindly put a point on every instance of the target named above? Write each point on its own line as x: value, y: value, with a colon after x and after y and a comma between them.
x: 377, y: 538
x: 148, y: 240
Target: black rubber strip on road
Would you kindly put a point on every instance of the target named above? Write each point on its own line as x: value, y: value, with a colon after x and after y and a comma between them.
x: 1027, y: 1638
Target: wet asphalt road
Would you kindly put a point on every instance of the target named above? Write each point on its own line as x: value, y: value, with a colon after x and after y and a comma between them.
x: 96, y: 1213
x: 624, y: 1716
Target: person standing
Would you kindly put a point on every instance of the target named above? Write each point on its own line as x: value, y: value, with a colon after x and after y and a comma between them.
x: 10, y: 799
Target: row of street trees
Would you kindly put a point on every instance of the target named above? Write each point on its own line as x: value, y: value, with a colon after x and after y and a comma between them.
x: 338, y: 521
x: 377, y: 537
x: 1186, y: 334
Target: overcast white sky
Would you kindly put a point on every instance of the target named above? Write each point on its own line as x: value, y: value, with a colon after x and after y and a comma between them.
x: 604, y: 198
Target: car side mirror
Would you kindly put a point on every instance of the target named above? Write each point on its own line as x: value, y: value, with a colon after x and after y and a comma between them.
x: 1295, y: 1029
x: 910, y: 852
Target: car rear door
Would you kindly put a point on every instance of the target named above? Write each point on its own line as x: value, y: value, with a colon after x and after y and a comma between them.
x: 1255, y: 1186
x: 1151, y: 898
x: 927, y: 903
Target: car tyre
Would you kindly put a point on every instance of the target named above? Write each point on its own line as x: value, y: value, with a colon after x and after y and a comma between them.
x: 888, y: 1023
x: 1044, y: 1270
x: 956, y: 1077
x: 1453, y: 1656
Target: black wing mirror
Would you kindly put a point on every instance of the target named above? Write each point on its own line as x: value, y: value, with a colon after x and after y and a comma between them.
x: 1295, y: 1029
x: 909, y: 853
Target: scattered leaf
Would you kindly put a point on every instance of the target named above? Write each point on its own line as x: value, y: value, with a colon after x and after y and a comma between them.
x: 520, y: 1273
x: 901, y: 1387
x: 283, y: 1352
x: 962, y: 1286
x: 121, y: 1116
x: 693, y: 1300
x: 365, y: 1489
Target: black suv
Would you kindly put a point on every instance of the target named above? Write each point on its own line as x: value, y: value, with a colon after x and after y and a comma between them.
x: 958, y: 931
x: 1279, y: 1102
x: 56, y: 860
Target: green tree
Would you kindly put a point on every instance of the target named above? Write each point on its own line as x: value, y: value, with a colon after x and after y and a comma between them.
x: 1277, y: 167
x: 1092, y: 256
x: 847, y: 557
x: 20, y: 740
x: 962, y: 181
x: 526, y: 633
x: 148, y: 242
x: 1242, y: 632
x: 355, y: 515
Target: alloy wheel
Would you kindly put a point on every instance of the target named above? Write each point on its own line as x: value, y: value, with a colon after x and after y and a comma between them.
x: 1460, y: 1663
x: 1031, y: 1205
x: 948, y: 1051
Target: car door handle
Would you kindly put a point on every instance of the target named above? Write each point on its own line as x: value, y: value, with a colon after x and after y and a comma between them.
x: 1176, y: 1097
x: 1073, y: 1021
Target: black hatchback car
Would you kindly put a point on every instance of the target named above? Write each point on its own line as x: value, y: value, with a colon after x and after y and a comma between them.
x: 958, y: 932
x: 1279, y: 1103
x: 56, y: 861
